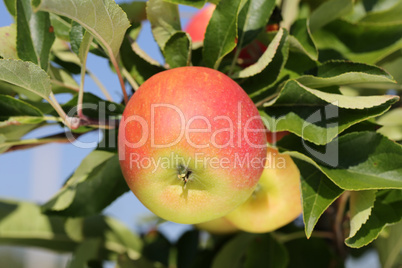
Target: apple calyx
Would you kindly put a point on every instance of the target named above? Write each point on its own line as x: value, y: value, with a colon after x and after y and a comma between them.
x: 257, y: 189
x: 184, y: 174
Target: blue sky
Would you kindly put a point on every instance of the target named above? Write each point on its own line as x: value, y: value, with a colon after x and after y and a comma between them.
x: 36, y: 174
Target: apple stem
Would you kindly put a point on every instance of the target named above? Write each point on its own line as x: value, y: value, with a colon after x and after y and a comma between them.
x: 184, y: 174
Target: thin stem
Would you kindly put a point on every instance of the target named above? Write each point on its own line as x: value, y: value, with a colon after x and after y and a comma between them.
x: 116, y: 66
x: 75, y: 122
x: 81, y: 92
x: 83, y: 73
x: 100, y: 85
x: 56, y: 82
x: 130, y: 79
x: 236, y: 56
x: 261, y: 102
x: 296, y: 235
x: 55, y: 104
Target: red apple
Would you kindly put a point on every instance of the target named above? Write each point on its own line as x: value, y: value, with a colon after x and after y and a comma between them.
x: 192, y: 144
x: 197, y: 27
x: 198, y: 24
x: 277, y: 199
x: 274, y: 137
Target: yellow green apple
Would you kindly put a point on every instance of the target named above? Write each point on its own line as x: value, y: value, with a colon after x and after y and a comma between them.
x: 276, y: 201
x: 218, y: 226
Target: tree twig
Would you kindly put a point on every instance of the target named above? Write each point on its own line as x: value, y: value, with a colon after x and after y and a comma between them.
x: 130, y: 79
x: 338, y: 229
x: 100, y: 85
x: 116, y: 66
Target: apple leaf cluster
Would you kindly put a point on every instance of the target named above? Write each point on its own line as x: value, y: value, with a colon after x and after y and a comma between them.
x: 330, y: 76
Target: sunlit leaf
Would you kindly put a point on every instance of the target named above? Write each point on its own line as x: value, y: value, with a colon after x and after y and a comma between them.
x: 8, y: 37
x: 319, y: 116
x: 26, y: 75
x: 361, y: 204
x: 106, y: 22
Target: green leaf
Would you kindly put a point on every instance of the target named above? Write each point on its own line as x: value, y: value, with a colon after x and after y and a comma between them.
x: 253, y: 18
x: 8, y: 37
x: 390, y: 15
x: 265, y: 251
x: 157, y: 247
x: 26, y: 75
x: 10, y: 134
x: 17, y: 119
x: 336, y: 73
x: 391, y: 64
x: 387, y: 210
x: 363, y: 9
x: 265, y: 59
x: 61, y: 26
x: 232, y: 252
x: 361, y: 42
x: 194, y: 3
x: 318, y: 193
x: 85, y: 46
x: 221, y: 33
x: 139, y: 66
x: 329, y: 11
x: 257, y: 86
x: 165, y: 20
x: 10, y: 107
x: 23, y: 224
x: 178, y: 50
x: 76, y: 35
x: 34, y: 37
x: 10, y: 5
x: 350, y: 163
x: 87, y: 251
x: 300, y: 39
x: 392, y: 124
x: 187, y: 248
x: 389, y: 245
x: 361, y: 203
x: 106, y: 22
x: 98, y: 173
x: 319, y: 116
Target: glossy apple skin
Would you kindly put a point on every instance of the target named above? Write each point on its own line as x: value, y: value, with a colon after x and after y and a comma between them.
x: 277, y: 199
x: 213, y: 189
x: 218, y: 226
x: 197, y: 26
